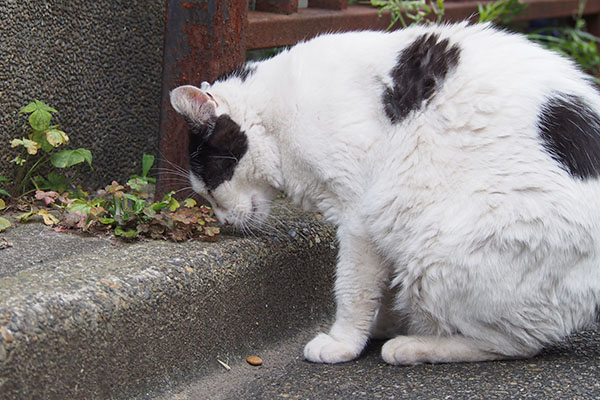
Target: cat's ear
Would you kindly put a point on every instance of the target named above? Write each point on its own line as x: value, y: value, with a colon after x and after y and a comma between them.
x: 194, y: 104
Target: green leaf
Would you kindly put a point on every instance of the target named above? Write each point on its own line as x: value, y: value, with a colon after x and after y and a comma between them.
x: 158, y: 206
x: 2, y: 191
x: 137, y: 183
x: 56, y: 137
x: 173, y: 204
x: 31, y: 146
x: 147, y: 162
x: 4, y: 223
x: 2, y: 204
x: 189, y: 203
x: 79, y: 206
x: 48, y: 218
x: 132, y: 197
x: 40, y: 139
x: 68, y: 158
x: 25, y: 216
x: 19, y: 161
x: 29, y: 108
x: 40, y: 120
x: 57, y: 182
x: 211, y: 230
x: 127, y: 234
x: 43, y: 106
x: 138, y: 204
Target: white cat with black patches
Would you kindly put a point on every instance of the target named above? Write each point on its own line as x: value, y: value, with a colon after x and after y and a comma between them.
x: 461, y: 165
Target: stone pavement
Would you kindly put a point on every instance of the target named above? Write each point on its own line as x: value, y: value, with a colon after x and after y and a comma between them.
x: 97, y: 318
x: 568, y: 371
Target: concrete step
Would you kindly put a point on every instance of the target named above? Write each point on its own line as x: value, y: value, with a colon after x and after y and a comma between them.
x: 96, y: 318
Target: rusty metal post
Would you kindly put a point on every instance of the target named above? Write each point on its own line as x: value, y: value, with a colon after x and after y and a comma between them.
x: 277, y: 6
x: 203, y: 38
x: 329, y: 4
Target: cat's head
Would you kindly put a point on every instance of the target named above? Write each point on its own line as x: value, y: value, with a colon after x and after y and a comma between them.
x: 232, y: 161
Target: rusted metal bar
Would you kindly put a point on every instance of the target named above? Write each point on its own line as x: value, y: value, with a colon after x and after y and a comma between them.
x: 593, y: 24
x: 277, y: 6
x: 203, y: 38
x: 271, y: 30
x: 329, y: 4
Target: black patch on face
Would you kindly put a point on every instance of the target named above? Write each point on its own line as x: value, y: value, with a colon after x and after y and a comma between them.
x: 215, y: 150
x: 570, y: 131
x: 242, y: 71
x: 420, y: 70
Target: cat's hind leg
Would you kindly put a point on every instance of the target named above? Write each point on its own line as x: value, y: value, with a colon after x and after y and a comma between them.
x: 388, y: 322
x: 411, y: 350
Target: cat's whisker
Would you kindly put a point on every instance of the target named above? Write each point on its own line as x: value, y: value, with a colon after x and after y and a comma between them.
x: 170, y: 172
x: 263, y: 223
x: 174, y: 170
x: 173, y: 165
x: 178, y: 181
x: 188, y: 188
x: 223, y: 157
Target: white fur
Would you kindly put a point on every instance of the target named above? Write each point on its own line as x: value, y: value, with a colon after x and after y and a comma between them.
x: 485, y: 246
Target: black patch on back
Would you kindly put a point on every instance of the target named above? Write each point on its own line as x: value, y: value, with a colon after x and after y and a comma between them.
x: 215, y: 150
x: 420, y: 70
x: 242, y: 71
x: 570, y: 131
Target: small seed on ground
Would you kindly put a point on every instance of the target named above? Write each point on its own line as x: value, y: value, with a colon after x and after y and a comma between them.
x: 254, y: 360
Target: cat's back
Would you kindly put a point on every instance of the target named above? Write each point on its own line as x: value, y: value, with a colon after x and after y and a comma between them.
x: 451, y: 63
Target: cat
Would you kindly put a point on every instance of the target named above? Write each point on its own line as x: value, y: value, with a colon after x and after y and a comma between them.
x: 460, y: 164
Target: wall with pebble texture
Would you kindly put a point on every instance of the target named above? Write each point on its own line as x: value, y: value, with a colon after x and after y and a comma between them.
x: 99, y: 63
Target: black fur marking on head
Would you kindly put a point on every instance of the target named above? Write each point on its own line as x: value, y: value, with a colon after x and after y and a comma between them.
x: 570, y: 131
x: 420, y: 70
x: 215, y: 150
x: 242, y: 71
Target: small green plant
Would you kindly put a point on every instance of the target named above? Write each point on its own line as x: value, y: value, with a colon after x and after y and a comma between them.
x: 39, y: 148
x: 502, y: 12
x: 573, y: 42
x: 4, y: 192
x: 128, y: 211
x: 4, y: 223
x: 417, y: 11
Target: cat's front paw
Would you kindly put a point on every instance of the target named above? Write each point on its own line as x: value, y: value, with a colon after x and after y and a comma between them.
x: 326, y: 349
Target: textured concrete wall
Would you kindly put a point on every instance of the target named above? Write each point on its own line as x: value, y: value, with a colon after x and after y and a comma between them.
x: 99, y: 63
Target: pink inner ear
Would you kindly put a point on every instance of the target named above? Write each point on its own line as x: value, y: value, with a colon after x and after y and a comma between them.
x: 194, y: 103
x: 196, y: 95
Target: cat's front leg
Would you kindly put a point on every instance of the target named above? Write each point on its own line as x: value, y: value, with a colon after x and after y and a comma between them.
x: 360, y: 278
